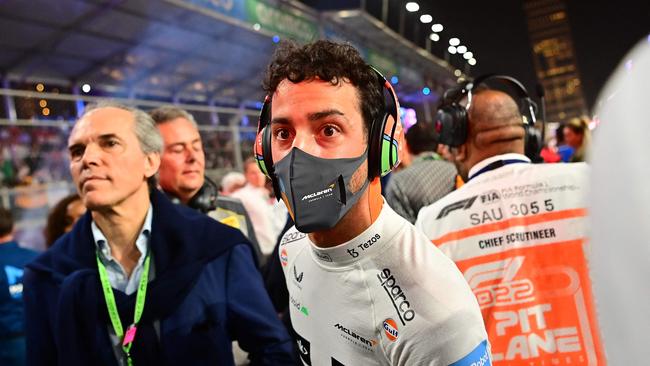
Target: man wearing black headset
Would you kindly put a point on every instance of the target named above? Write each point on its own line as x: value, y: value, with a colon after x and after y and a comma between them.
x: 365, y: 287
x: 182, y: 172
x: 516, y: 230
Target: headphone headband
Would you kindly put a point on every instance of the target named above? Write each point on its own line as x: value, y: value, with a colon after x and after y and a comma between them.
x: 451, y: 118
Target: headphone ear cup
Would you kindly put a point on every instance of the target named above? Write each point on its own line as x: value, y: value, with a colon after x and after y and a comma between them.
x: 205, y: 200
x: 259, y: 151
x: 451, y: 125
x: 392, y: 138
x: 533, y: 144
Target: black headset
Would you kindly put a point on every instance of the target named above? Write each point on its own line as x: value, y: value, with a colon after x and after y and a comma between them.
x: 451, y: 118
x: 384, y: 140
x: 205, y: 200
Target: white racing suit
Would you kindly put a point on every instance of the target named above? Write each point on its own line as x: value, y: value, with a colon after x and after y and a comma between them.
x: 517, y: 231
x: 386, y: 297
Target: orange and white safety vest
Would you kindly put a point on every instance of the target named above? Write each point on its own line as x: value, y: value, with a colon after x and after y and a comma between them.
x: 517, y: 231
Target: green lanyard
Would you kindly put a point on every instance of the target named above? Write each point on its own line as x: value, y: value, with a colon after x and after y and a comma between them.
x: 127, y: 339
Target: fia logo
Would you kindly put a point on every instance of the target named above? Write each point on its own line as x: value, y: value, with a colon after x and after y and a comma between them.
x: 490, y: 197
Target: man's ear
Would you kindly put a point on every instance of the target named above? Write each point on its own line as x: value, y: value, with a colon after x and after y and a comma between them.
x: 151, y: 164
x: 459, y: 153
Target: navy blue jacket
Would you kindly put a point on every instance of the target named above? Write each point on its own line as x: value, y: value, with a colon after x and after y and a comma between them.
x: 12, y: 319
x: 12, y: 260
x: 206, y: 293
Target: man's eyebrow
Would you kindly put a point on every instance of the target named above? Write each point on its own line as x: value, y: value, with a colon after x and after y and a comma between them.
x: 75, y: 146
x: 323, y: 114
x: 181, y: 143
x: 280, y: 120
x: 103, y: 137
x: 312, y: 116
x: 108, y: 136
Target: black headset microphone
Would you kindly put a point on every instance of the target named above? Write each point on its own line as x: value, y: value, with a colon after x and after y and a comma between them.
x: 205, y: 200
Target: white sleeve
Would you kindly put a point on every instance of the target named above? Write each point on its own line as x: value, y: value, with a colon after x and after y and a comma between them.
x: 446, y: 326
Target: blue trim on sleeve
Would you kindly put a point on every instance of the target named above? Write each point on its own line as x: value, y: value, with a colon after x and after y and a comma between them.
x: 478, y: 357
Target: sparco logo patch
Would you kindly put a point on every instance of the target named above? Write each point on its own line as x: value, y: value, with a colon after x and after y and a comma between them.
x: 390, y: 328
x: 464, y: 205
x: 396, y: 295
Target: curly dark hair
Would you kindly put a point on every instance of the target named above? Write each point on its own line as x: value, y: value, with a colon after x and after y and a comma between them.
x: 328, y: 61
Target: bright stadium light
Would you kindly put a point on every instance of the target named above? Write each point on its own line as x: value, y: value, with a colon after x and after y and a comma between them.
x: 468, y: 55
x: 454, y: 41
x: 457, y: 73
x: 426, y: 18
x: 461, y: 49
x: 434, y: 37
x: 452, y: 50
x: 472, y: 61
x: 437, y: 28
x: 85, y: 88
x: 412, y: 6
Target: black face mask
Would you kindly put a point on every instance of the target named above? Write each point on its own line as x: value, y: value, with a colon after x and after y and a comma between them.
x: 316, y: 190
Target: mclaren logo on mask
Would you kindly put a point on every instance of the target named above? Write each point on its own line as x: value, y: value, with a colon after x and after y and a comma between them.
x: 317, y: 195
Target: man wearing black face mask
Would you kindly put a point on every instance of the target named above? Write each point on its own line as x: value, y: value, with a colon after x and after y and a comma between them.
x: 182, y: 172
x: 365, y: 287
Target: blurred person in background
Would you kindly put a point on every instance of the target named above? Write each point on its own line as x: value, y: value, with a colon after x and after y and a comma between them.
x: 267, y: 220
x: 232, y: 182
x: 63, y: 217
x: 427, y: 179
x: 12, y: 324
x: 517, y: 231
x: 365, y: 287
x: 620, y: 210
x: 140, y: 280
x: 578, y: 136
x: 564, y: 150
x: 549, y: 152
x: 182, y: 172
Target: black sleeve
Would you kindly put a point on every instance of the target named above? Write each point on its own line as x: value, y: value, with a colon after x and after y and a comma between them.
x: 274, y: 276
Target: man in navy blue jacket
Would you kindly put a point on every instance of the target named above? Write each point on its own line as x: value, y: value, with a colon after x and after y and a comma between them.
x: 139, y: 280
x: 12, y: 260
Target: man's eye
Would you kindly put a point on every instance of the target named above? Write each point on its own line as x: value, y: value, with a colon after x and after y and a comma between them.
x: 110, y: 143
x: 329, y: 131
x: 281, y: 134
x: 76, y: 153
